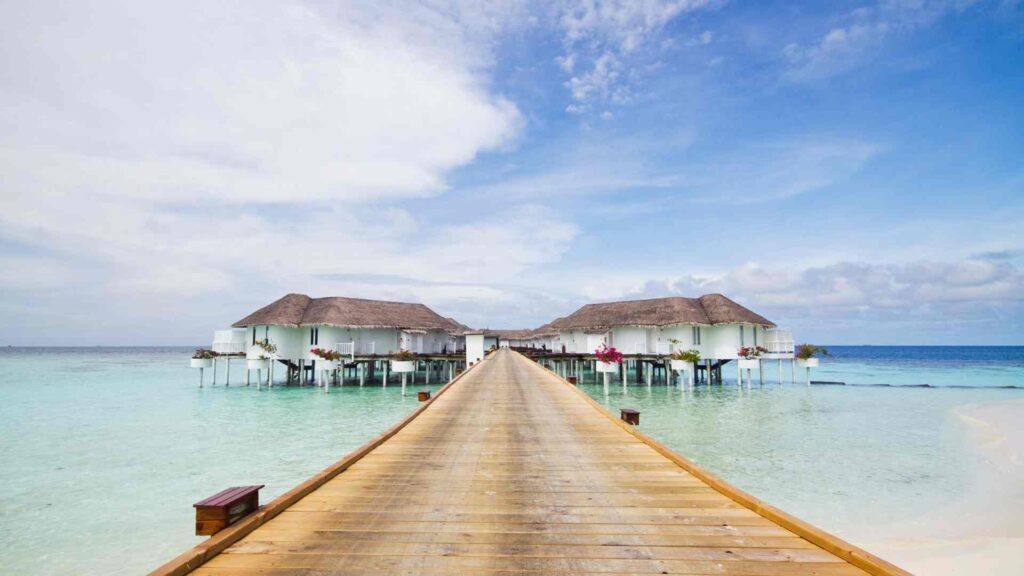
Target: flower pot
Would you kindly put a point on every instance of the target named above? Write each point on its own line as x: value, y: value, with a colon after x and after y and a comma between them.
x: 322, y: 364
x: 256, y: 364
x: 612, y: 367
x: 202, y: 362
x: 749, y: 363
x: 403, y: 366
x: 808, y: 363
x: 680, y: 365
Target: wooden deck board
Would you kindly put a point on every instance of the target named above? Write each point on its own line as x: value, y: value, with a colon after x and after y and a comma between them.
x: 511, y: 471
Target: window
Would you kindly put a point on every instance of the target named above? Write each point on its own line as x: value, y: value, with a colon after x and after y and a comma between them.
x: 696, y: 335
x: 253, y: 335
x: 754, y: 330
x: 314, y: 336
x: 742, y: 342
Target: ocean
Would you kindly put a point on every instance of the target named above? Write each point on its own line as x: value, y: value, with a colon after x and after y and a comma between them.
x: 105, y: 449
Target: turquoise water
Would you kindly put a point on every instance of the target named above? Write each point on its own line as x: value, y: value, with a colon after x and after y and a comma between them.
x: 105, y: 450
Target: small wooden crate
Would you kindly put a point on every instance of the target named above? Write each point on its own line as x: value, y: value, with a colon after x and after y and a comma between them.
x: 224, y: 508
x: 423, y: 395
x: 630, y: 416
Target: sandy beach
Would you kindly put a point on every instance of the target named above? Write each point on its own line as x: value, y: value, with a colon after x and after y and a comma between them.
x: 982, y: 532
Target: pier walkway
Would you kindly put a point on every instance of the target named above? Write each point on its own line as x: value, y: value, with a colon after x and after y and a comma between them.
x: 511, y: 470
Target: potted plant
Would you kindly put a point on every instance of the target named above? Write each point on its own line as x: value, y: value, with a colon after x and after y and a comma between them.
x: 267, y: 350
x: 683, y: 359
x: 807, y: 355
x: 750, y: 356
x: 326, y: 359
x: 403, y: 361
x: 608, y: 359
x: 203, y: 358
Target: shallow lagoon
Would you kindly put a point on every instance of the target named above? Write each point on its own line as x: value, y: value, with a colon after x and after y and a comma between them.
x: 105, y: 450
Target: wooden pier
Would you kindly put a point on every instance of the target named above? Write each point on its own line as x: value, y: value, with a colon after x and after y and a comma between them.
x: 509, y: 469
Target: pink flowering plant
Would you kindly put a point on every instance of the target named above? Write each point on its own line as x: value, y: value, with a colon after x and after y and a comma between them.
x: 751, y: 352
x: 325, y: 354
x: 608, y: 354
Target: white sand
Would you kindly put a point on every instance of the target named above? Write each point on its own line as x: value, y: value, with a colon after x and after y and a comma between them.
x: 982, y: 532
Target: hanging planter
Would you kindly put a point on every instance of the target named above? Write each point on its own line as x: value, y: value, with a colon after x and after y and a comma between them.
x: 683, y: 360
x: 806, y: 355
x: 749, y: 363
x: 611, y: 367
x: 203, y: 358
x: 257, y: 363
x: 403, y: 361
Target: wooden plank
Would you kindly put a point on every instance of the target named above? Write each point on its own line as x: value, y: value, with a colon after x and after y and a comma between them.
x: 512, y: 470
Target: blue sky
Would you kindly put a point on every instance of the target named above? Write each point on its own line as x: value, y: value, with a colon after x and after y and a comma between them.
x: 853, y: 170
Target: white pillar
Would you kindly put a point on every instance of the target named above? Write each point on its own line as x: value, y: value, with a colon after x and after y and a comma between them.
x: 361, y: 368
x: 739, y: 374
x: 214, y: 372
x: 385, y: 382
x: 605, y: 383
x: 259, y: 378
x: 403, y: 383
x: 270, y: 374
x: 780, y: 370
x: 247, y: 371
x: 327, y: 382
x: 200, y: 377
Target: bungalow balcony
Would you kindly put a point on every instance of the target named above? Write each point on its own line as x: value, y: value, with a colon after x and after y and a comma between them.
x: 229, y: 341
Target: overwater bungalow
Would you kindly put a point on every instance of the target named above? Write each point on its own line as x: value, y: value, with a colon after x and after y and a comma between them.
x: 712, y: 324
x: 297, y: 323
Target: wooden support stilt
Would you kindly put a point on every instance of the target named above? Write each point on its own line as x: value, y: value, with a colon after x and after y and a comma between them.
x: 403, y: 382
x: 227, y: 374
x: 214, y: 372
x: 201, y: 377
x: 247, y: 372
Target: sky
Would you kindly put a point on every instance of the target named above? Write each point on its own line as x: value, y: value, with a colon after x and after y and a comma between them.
x: 851, y: 170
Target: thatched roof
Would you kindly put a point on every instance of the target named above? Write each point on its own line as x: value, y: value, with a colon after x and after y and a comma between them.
x: 706, y: 310
x: 508, y: 334
x: 301, y: 310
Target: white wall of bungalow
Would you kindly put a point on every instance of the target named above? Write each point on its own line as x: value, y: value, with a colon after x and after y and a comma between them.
x: 715, y: 342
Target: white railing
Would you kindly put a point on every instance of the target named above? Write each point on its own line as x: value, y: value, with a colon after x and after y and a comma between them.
x: 229, y: 341
x: 346, y: 349
x: 779, y: 341
x: 640, y: 348
x: 664, y: 348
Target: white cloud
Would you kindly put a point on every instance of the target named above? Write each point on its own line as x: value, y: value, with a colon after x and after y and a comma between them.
x: 255, y: 101
x: 232, y: 151
x: 866, y: 297
x: 600, y: 36
x: 861, y: 36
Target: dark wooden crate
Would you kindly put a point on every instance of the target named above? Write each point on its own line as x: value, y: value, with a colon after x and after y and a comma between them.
x: 224, y: 508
